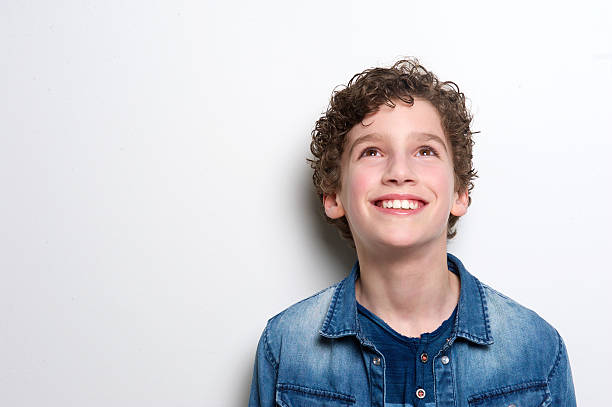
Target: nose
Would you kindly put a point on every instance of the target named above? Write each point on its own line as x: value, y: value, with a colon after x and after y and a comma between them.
x: 399, y: 171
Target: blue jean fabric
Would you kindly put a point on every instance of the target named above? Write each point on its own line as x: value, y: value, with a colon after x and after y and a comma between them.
x: 499, y: 354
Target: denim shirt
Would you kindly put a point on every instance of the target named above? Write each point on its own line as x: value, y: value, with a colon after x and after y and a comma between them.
x: 499, y: 354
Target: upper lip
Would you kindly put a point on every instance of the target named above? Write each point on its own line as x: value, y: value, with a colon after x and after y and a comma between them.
x: 401, y: 197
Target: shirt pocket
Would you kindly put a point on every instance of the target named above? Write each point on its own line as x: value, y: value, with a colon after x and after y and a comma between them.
x: 531, y: 394
x: 291, y: 395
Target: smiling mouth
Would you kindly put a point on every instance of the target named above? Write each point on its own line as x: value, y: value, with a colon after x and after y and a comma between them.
x: 405, y: 204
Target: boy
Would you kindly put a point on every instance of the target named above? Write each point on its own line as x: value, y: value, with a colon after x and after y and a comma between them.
x: 409, y: 326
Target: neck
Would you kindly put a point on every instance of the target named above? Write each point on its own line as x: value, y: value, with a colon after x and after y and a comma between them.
x: 412, y: 290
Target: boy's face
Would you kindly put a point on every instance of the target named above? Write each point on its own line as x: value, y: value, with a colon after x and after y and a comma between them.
x: 400, y: 155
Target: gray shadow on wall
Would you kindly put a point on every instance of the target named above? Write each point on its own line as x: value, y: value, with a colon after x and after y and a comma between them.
x: 337, y: 253
x: 328, y: 242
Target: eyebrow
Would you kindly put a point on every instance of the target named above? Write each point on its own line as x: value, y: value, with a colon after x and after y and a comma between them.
x: 429, y: 137
x: 378, y: 137
x: 363, y: 139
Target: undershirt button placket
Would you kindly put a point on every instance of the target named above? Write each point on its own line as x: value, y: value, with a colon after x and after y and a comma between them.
x: 421, y: 365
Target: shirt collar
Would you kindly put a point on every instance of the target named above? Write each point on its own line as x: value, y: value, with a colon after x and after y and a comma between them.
x: 472, y: 322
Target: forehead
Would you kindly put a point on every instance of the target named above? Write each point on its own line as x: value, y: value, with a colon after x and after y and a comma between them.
x: 421, y: 116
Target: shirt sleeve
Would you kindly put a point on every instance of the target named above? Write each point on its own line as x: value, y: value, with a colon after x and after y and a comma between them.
x: 263, y: 385
x: 560, y: 380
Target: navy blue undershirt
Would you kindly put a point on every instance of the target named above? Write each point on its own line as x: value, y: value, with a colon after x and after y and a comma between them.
x: 406, y: 369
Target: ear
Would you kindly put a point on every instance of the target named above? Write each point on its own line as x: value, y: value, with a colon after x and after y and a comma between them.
x: 460, y: 204
x: 333, y: 206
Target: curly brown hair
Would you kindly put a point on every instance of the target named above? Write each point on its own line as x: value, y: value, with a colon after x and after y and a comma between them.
x: 364, y: 94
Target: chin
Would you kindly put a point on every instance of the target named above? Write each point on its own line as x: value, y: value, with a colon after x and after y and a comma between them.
x: 408, y: 240
x: 400, y: 242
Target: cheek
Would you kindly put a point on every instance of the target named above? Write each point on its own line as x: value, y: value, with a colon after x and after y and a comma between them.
x: 442, y: 179
x: 361, y: 180
x: 357, y: 185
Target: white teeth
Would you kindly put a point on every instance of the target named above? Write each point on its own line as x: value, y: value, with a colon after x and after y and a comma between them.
x: 400, y: 204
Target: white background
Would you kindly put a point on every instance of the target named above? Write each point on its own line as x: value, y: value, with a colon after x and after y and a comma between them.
x: 156, y: 206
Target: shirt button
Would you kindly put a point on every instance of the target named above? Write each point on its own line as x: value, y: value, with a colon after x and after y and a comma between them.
x: 445, y: 360
x: 376, y: 360
x: 420, y: 393
x: 424, y: 357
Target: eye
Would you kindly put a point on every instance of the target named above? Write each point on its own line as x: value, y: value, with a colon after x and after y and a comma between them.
x: 427, y: 151
x: 369, y: 152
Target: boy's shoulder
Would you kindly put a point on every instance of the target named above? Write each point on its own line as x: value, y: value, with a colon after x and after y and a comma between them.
x: 297, y: 327
x: 506, y: 313
x: 520, y: 333
x: 305, y: 316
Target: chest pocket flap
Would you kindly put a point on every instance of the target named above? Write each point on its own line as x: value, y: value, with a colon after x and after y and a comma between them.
x: 531, y: 394
x: 291, y: 395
